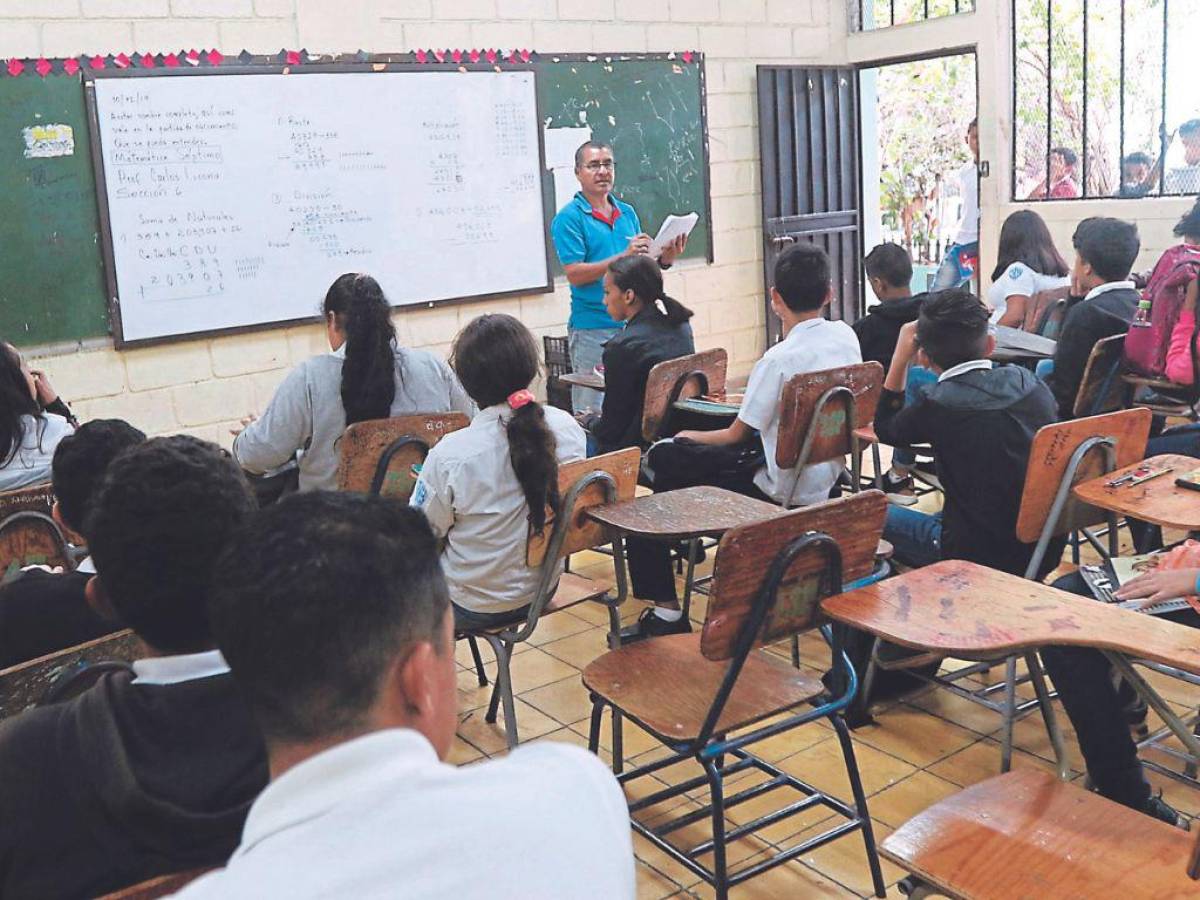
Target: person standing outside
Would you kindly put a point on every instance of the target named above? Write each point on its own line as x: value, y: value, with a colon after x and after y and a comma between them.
x: 961, y: 259
x: 589, y: 232
x: 1060, y: 185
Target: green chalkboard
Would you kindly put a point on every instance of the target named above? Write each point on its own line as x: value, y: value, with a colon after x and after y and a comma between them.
x: 51, y: 273
x: 651, y: 109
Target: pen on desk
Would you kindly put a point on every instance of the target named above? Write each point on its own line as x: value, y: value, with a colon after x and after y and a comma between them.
x: 1145, y: 478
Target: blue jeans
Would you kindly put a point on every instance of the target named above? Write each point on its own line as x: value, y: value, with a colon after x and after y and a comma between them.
x: 916, y: 536
x: 952, y: 273
x: 586, y: 346
x: 902, y: 457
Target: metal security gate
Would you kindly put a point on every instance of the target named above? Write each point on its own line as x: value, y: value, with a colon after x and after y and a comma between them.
x: 810, y: 165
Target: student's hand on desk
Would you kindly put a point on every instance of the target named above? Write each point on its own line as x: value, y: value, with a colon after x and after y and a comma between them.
x: 1159, y: 585
x: 639, y: 245
x: 246, y: 422
x: 673, y: 249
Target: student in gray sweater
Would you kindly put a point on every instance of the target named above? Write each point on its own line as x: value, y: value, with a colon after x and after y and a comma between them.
x: 367, y: 376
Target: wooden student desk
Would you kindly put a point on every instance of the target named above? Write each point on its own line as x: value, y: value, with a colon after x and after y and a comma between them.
x: 583, y: 379
x: 1158, y: 501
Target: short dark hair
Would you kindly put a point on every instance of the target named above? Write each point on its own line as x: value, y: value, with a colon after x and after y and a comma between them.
x: 952, y: 327
x: 1070, y: 157
x: 590, y: 145
x: 1189, y: 224
x: 802, y: 276
x: 1109, y: 246
x: 316, y: 598
x: 1137, y: 158
x: 79, y: 462
x: 162, y: 514
x: 1191, y: 126
x: 890, y: 262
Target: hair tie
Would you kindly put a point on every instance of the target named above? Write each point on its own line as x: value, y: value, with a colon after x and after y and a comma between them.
x: 660, y: 306
x: 520, y: 398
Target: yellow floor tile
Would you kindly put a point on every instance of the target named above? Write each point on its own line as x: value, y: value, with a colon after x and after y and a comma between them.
x: 531, y: 723
x: 913, y: 735
x: 579, y: 649
x: 845, y: 860
x: 824, y: 767
x: 897, y: 804
x: 535, y: 668
x: 653, y: 885
x: 558, y: 625
x: 565, y: 701
x: 981, y: 760
x: 791, y: 879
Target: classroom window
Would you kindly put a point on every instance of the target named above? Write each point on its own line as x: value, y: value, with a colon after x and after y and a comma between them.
x: 1099, y: 82
x: 870, y: 14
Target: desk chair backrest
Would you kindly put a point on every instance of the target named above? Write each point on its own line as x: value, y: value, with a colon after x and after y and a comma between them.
x: 679, y: 379
x: 557, y: 350
x: 377, y: 456
x: 820, y: 410
x: 1068, y: 453
x: 39, y: 498
x: 31, y: 539
x: 26, y: 684
x: 744, y: 558
x: 1101, y: 390
x: 1045, y: 312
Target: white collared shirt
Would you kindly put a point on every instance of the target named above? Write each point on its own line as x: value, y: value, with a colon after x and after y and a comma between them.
x: 811, y: 346
x: 86, y: 566
x: 1110, y: 286
x: 963, y: 367
x: 179, y: 668
x: 380, y: 816
x: 470, y: 494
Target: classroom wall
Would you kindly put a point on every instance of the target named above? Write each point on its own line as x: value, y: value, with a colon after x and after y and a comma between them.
x: 205, y: 386
x: 988, y: 30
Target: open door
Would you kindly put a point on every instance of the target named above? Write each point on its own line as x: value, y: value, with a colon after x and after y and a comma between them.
x: 809, y: 152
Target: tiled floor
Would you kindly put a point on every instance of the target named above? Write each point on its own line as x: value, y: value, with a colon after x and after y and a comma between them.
x: 921, y: 750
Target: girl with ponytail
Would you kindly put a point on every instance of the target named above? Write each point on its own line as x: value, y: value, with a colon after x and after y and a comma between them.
x: 366, y: 376
x: 656, y: 329
x: 484, y: 487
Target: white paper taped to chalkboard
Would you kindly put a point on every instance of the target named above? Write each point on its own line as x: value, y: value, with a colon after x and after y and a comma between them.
x: 236, y: 200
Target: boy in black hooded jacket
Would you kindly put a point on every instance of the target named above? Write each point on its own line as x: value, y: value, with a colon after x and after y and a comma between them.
x: 889, y: 272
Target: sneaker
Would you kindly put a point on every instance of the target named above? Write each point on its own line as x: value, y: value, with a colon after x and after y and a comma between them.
x: 1157, y: 808
x: 899, y: 489
x: 927, y: 472
x: 650, y: 625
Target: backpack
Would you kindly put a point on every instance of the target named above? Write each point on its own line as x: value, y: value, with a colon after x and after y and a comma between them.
x: 1146, y: 347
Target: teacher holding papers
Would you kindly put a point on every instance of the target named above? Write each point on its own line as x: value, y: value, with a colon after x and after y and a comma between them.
x: 591, y: 231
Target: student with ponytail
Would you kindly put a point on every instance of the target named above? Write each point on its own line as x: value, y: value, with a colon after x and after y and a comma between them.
x: 366, y: 376
x: 483, y: 487
x: 656, y: 329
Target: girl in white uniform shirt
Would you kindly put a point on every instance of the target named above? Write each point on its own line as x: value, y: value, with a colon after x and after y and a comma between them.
x: 32, y: 421
x: 484, y: 487
x: 1027, y: 264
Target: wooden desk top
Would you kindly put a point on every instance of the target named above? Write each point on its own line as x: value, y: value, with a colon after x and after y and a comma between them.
x: 972, y: 612
x: 688, y: 512
x: 583, y: 379
x: 700, y: 406
x: 1159, y: 500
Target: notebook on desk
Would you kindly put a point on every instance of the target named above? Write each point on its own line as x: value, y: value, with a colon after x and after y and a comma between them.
x: 1103, y: 580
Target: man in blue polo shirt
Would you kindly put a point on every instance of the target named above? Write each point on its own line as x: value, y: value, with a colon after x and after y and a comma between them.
x: 589, y: 233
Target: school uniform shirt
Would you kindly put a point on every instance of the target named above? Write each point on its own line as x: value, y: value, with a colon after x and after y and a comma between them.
x: 1018, y: 280
x: 968, y: 229
x: 306, y: 413
x: 1105, y: 311
x: 646, y: 340
x: 582, y: 234
x: 811, y: 346
x: 470, y: 494
x: 980, y: 422
x: 30, y: 464
x: 380, y: 816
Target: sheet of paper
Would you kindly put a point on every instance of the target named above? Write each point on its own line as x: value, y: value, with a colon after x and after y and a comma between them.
x: 565, y: 186
x: 672, y: 227
x: 561, y: 144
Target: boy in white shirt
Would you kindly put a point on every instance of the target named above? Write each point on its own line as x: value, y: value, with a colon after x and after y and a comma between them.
x: 811, y: 343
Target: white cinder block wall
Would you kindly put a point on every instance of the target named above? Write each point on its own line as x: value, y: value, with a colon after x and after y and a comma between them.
x: 205, y: 386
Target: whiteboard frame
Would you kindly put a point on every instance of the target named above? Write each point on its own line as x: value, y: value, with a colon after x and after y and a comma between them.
x: 105, y: 226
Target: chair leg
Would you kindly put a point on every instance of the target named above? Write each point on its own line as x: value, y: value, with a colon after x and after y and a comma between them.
x: 618, y: 742
x: 693, y: 547
x: 716, y: 788
x: 795, y: 651
x: 503, y: 691
x: 856, y: 458
x: 868, y: 681
x: 1010, y: 712
x: 1038, y: 679
x: 594, y: 729
x: 875, y: 460
x: 473, y: 644
x: 860, y: 803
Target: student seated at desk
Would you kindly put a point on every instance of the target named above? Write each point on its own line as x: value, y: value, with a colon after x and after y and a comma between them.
x: 980, y: 421
x: 889, y: 272
x: 1027, y: 263
x: 152, y: 770
x: 656, y: 329
x: 43, y: 611
x: 358, y: 709
x: 1103, y: 709
x: 1102, y: 303
x: 483, y: 487
x: 366, y: 376
x: 33, y: 419
x: 741, y: 457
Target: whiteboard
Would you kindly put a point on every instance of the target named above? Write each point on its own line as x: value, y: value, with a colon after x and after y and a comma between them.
x: 235, y: 200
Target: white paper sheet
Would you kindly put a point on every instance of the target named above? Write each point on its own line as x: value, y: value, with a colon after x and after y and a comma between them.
x: 672, y: 227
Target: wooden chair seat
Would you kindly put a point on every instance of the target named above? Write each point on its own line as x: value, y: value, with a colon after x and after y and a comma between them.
x: 1026, y: 834
x: 667, y: 685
